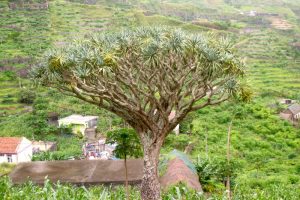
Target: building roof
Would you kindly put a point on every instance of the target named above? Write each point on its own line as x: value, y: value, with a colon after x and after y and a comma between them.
x: 78, y: 119
x: 178, y: 172
x: 295, y: 108
x: 180, y: 169
x: 79, y: 172
x: 9, y: 144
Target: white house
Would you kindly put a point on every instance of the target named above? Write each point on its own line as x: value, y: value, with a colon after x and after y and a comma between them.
x: 79, y: 123
x: 15, y: 149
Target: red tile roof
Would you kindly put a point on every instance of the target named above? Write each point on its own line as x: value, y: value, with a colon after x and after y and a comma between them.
x: 9, y: 144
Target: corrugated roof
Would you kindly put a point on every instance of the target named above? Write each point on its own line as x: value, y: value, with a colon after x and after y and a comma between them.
x: 9, y: 144
x: 295, y: 108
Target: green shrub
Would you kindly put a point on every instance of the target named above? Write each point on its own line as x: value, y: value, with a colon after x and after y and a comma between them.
x: 7, y: 75
x: 7, y: 99
x: 43, y: 156
x: 213, y: 172
x: 26, y: 96
x: 178, y: 141
x: 59, y: 191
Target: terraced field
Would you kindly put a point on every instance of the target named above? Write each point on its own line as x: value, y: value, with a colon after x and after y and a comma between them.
x: 272, y: 65
x: 266, y: 146
x: 25, y: 35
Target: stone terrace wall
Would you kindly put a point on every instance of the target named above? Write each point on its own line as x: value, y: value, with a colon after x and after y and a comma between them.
x: 28, y: 6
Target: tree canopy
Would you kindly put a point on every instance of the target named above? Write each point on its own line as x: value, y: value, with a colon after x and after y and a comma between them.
x: 145, y: 73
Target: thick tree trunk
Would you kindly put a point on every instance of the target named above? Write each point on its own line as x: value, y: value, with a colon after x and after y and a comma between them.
x: 150, y: 189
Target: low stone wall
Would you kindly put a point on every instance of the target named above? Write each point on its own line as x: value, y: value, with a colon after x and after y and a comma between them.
x: 28, y: 6
x: 79, y: 172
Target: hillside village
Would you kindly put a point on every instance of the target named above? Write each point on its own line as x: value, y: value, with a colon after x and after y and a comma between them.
x: 20, y: 150
x: 233, y: 150
x: 16, y: 150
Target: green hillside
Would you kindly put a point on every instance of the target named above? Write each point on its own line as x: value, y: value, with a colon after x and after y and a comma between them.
x: 265, y: 149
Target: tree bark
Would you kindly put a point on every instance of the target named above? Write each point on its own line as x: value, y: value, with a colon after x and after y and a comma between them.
x: 150, y: 189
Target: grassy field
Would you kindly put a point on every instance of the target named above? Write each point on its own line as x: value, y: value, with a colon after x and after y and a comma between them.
x: 265, y: 147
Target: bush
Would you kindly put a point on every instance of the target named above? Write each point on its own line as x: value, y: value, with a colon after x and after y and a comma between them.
x: 43, y: 156
x: 6, y: 168
x: 7, y: 75
x: 178, y: 141
x: 213, y: 173
x: 7, y: 99
x: 26, y: 96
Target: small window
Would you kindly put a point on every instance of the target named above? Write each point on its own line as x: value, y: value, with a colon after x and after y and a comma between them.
x: 9, y: 158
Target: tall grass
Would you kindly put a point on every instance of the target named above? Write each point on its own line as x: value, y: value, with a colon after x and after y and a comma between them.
x: 48, y: 191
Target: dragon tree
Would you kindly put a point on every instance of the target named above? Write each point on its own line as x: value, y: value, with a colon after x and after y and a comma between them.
x: 144, y: 74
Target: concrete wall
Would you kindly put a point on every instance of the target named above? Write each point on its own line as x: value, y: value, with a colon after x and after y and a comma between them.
x: 92, y: 123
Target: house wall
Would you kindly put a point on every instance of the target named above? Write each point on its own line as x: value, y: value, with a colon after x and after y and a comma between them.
x: 287, y: 111
x: 176, y: 130
x: 92, y: 123
x: 4, y: 158
x: 16, y: 158
x: 288, y: 114
x: 78, y: 128
x: 24, y: 151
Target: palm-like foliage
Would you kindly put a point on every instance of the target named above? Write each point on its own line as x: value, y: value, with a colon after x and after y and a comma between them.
x: 142, y: 75
x: 124, y: 69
